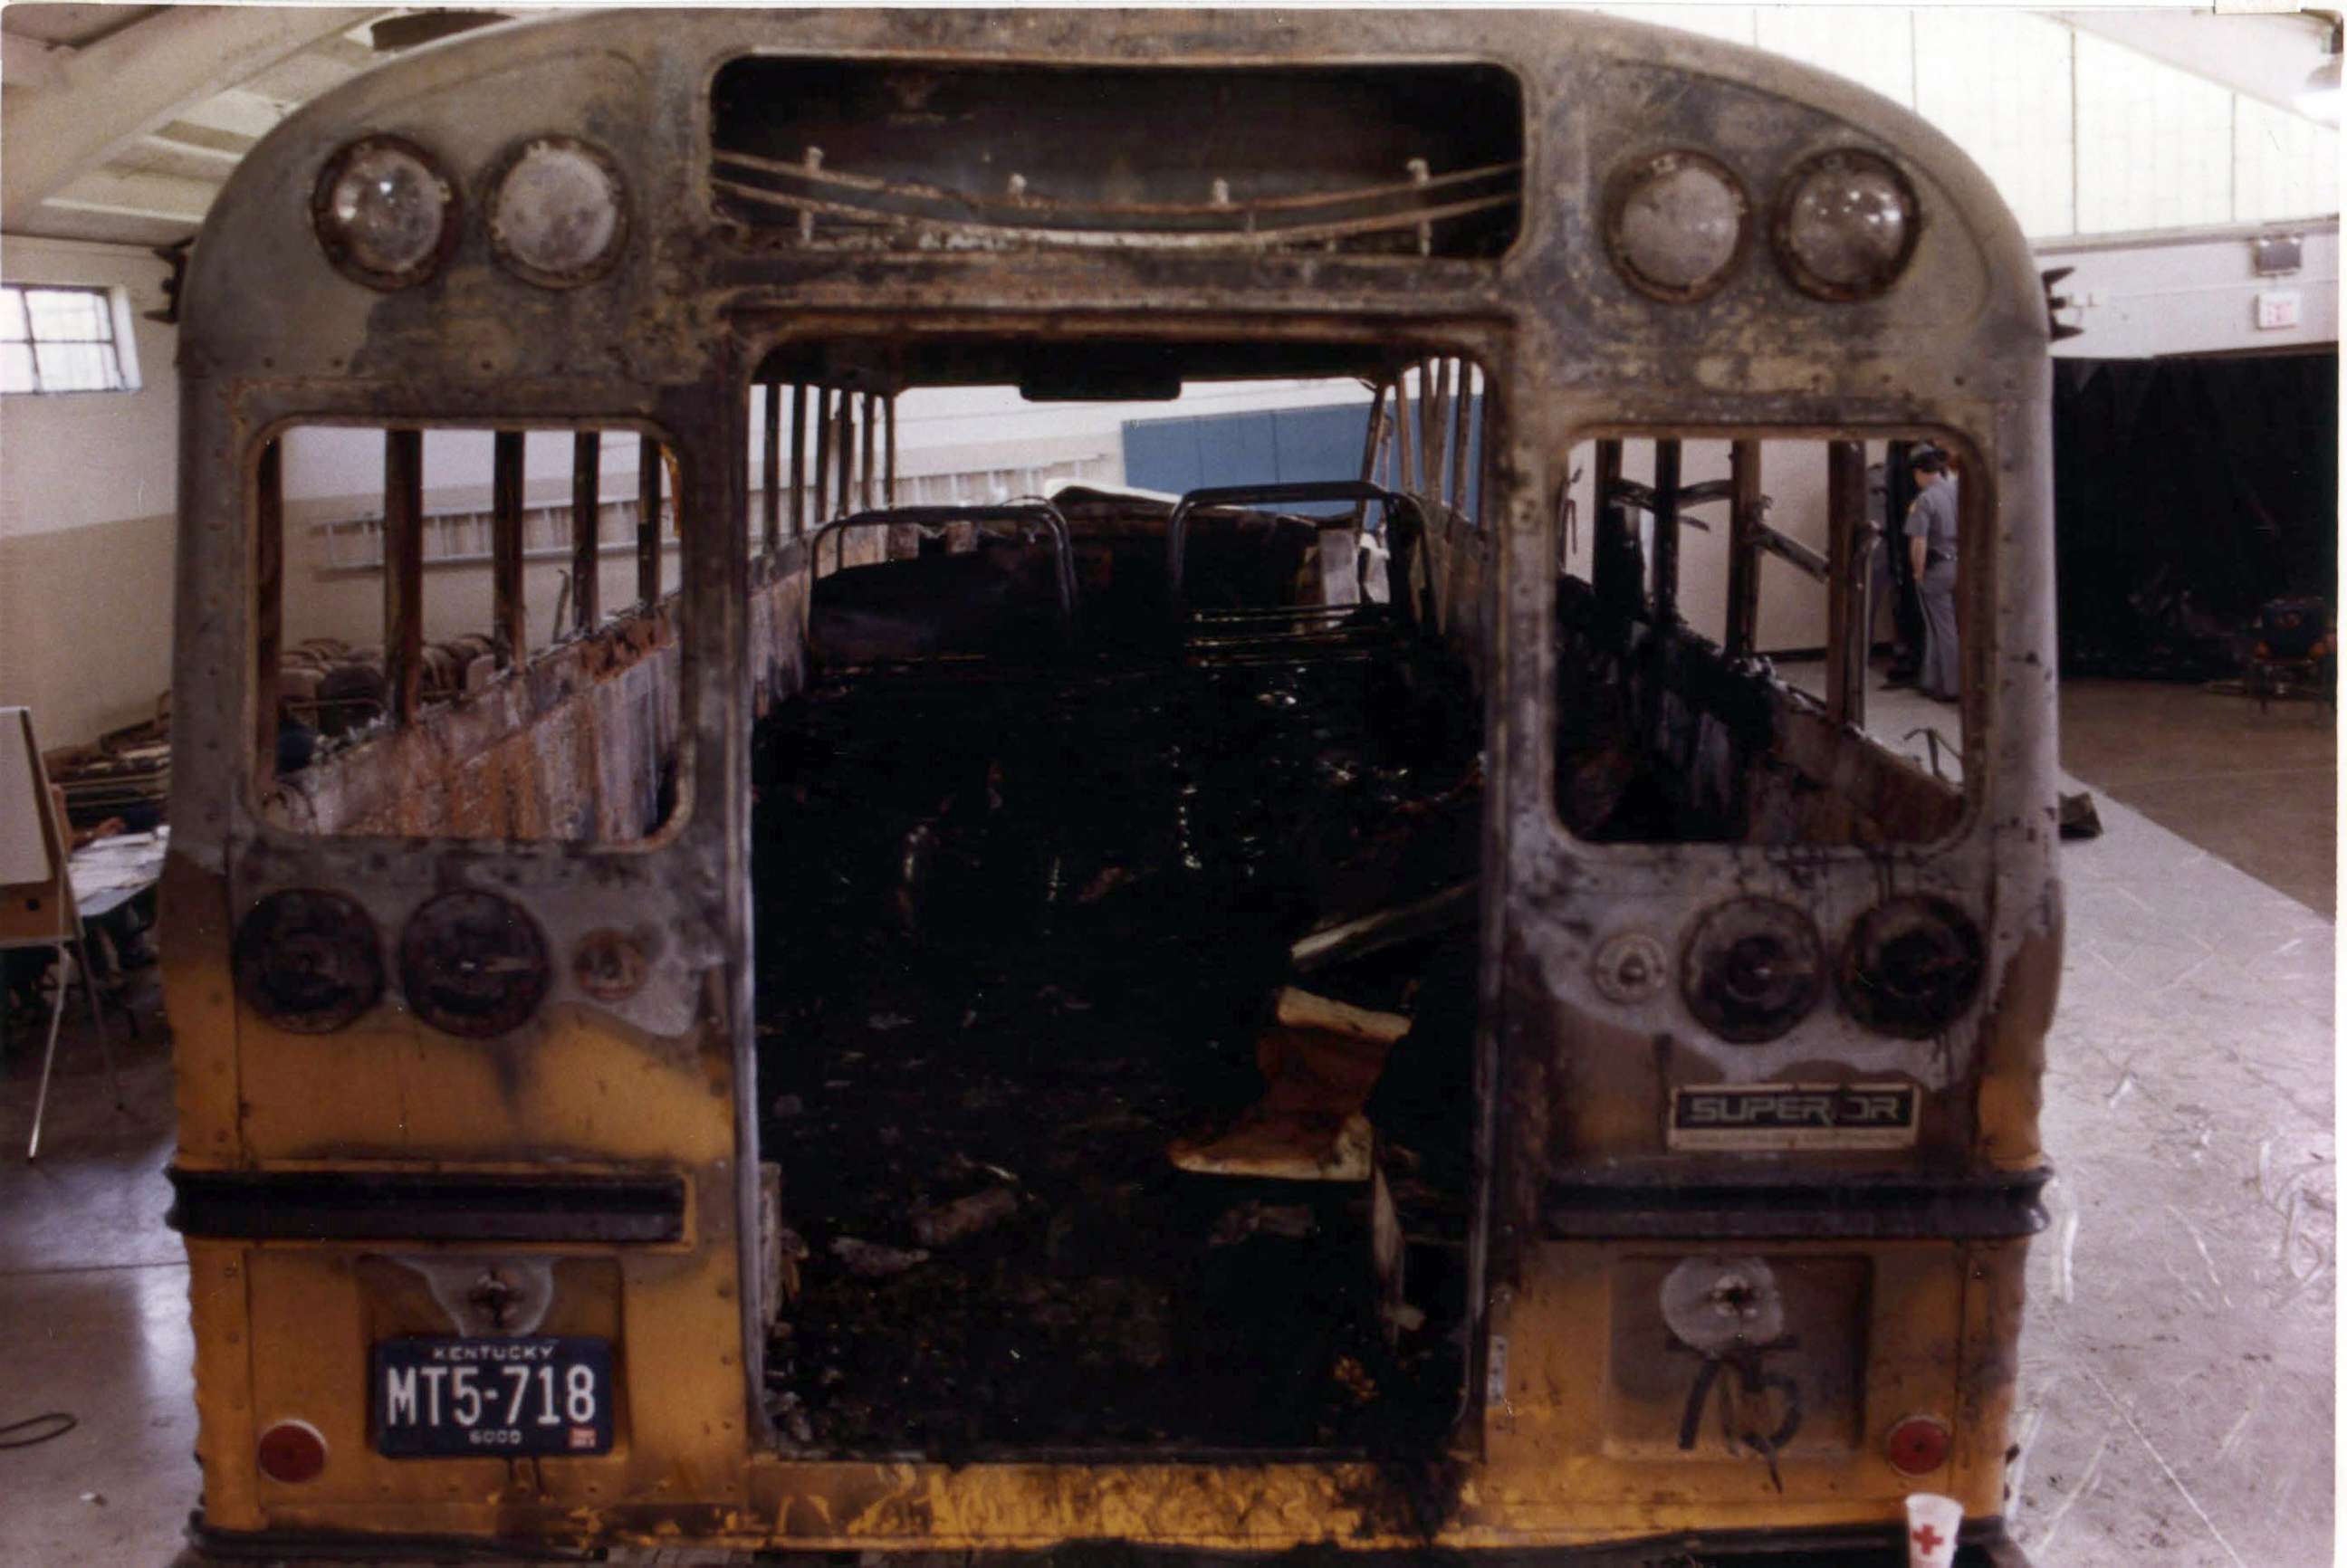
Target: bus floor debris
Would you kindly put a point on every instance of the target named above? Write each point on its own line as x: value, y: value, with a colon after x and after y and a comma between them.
x: 1028, y: 934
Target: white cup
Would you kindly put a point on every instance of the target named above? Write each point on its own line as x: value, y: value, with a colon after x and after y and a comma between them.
x: 1931, y: 1521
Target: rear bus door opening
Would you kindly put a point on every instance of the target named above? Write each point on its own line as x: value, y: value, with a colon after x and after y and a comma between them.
x: 1116, y: 956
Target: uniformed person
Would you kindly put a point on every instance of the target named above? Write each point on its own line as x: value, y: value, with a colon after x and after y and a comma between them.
x: 1931, y: 549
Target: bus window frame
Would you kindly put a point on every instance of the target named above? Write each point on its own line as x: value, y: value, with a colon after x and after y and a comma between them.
x: 1976, y: 709
x: 257, y: 775
x: 1533, y: 110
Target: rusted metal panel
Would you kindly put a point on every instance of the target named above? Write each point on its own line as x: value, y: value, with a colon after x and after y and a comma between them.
x: 555, y: 756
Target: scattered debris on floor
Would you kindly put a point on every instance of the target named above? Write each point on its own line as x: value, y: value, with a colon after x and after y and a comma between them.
x: 2078, y: 816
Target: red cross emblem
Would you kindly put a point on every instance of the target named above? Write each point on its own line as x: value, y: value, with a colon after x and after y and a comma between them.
x: 1928, y: 1539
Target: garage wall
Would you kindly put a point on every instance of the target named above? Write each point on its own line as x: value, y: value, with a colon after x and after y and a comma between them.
x: 2145, y: 295
x: 88, y: 485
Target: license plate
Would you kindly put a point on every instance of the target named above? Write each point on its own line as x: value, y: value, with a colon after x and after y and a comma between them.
x: 436, y: 1398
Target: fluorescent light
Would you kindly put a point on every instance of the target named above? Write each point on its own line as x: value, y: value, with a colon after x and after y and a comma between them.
x: 2320, y: 97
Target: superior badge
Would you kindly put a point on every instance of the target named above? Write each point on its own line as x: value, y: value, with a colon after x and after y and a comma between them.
x: 1778, y: 1116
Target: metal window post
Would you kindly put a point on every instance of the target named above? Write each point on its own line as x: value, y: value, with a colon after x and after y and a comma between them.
x: 866, y: 494
x: 402, y: 572
x: 585, y: 530
x: 822, y: 435
x: 799, y: 458
x: 773, y: 520
x: 648, y: 521
x: 509, y: 629
x: 1666, y: 532
x: 268, y: 595
x: 1743, y: 548
x: 1845, y: 591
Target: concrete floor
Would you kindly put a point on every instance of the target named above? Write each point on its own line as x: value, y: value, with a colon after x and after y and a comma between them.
x: 2176, y: 1357
x: 2188, y: 758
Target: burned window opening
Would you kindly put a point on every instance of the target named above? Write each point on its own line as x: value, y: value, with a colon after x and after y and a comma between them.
x: 432, y: 654
x: 1404, y: 160
x: 1719, y: 627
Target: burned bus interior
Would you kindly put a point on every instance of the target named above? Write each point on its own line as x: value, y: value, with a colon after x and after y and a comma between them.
x: 1116, y: 949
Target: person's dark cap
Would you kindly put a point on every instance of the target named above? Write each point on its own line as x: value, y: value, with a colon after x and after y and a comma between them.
x: 1927, y: 458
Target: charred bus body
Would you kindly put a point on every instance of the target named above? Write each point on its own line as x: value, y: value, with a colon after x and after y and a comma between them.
x: 1715, y: 1234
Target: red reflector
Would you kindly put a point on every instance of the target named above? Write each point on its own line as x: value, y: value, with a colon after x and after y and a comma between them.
x: 292, y: 1453
x: 1918, y: 1446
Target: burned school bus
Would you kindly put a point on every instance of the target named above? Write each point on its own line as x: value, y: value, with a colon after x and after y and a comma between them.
x: 724, y: 998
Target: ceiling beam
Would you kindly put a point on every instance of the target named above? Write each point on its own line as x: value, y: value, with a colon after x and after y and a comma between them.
x: 164, y: 141
x: 106, y: 96
x: 165, y: 198
x: 2262, y: 54
x: 237, y: 112
x: 30, y: 63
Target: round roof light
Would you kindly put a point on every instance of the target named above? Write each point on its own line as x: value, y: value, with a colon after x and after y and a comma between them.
x: 1677, y: 224
x: 383, y: 212
x: 558, y: 212
x: 1846, y: 225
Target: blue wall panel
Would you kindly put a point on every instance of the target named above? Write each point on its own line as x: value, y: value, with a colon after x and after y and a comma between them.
x: 1269, y: 446
x: 1263, y: 447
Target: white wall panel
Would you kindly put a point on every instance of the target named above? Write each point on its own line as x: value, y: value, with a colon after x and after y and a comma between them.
x: 1998, y: 84
x: 1872, y: 45
x: 2284, y: 166
x: 2152, y: 144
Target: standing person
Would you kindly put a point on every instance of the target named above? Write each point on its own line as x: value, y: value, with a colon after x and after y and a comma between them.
x: 1932, y: 551
x: 1887, y: 582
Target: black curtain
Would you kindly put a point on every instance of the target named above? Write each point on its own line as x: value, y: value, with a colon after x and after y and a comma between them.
x: 2187, y: 493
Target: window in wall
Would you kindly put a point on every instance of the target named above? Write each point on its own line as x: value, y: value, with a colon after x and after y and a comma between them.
x: 63, y: 339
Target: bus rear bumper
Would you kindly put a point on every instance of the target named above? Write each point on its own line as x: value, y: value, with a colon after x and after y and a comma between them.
x: 1983, y: 1544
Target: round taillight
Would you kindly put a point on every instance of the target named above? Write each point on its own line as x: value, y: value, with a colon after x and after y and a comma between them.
x: 558, y: 212
x: 473, y: 964
x: 1754, y: 969
x: 308, y: 961
x: 1846, y: 225
x: 1918, y: 1445
x: 1912, y: 967
x: 1676, y: 223
x: 291, y: 1452
x: 383, y: 212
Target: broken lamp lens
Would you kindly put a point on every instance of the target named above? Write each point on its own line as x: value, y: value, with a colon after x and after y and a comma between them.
x: 1754, y: 969
x: 1847, y: 226
x: 1676, y: 225
x: 384, y: 213
x: 557, y: 213
x: 1912, y: 966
